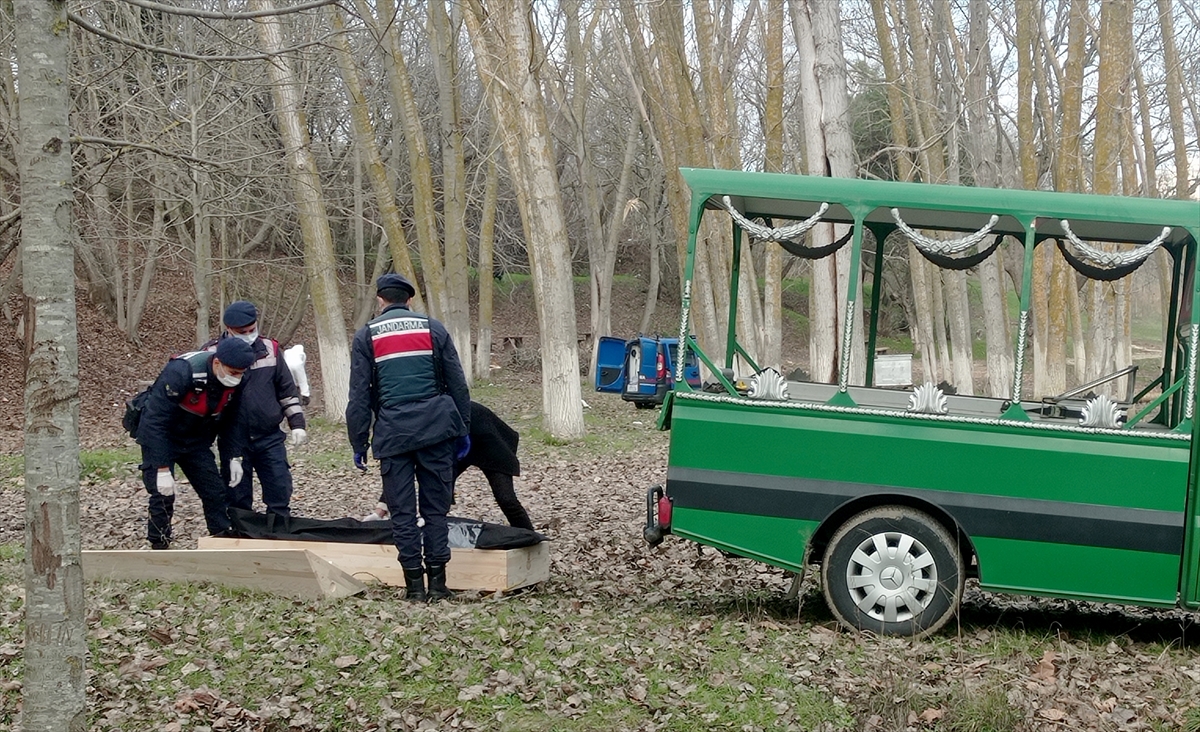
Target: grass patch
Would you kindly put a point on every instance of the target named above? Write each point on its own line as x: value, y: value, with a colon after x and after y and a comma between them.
x: 101, y: 465
x: 12, y: 466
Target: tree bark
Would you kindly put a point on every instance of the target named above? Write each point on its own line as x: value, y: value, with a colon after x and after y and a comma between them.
x: 982, y: 143
x: 364, y: 140
x: 444, y: 33
x: 314, y: 224
x: 502, y: 34
x: 487, y: 239
x: 55, y: 680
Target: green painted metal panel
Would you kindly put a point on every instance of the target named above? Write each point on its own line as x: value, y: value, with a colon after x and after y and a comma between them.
x: 770, y: 539
x: 995, y: 471
x: 1082, y: 572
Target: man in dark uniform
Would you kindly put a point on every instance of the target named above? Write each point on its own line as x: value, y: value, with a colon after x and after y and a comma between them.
x: 269, y: 395
x: 493, y: 449
x: 405, y: 377
x: 192, y: 401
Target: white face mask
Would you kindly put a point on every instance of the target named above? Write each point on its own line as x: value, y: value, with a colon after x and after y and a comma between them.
x: 247, y: 337
x: 229, y: 380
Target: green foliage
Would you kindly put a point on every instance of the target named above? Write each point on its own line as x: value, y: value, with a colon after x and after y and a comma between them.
x: 1191, y: 720
x: 106, y: 464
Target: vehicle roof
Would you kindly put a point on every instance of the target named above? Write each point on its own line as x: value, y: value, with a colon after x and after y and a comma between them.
x: 954, y: 208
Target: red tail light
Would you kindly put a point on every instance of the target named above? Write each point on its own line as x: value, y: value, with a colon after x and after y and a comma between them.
x: 661, y: 365
x: 664, y: 512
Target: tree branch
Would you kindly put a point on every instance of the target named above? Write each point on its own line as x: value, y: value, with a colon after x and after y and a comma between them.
x: 84, y: 140
x: 77, y: 20
x: 218, y: 15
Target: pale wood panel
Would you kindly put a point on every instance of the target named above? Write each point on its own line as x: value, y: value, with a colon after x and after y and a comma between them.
x: 484, y: 570
x: 287, y: 571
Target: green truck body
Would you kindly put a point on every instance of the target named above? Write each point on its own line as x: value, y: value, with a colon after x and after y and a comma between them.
x: 1030, y: 496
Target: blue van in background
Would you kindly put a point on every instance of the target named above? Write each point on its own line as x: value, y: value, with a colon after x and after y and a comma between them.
x: 642, y: 369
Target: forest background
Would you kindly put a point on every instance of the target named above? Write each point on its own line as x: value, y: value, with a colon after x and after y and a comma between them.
x: 288, y: 154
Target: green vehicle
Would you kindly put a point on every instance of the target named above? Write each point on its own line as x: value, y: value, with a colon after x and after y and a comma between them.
x: 901, y: 494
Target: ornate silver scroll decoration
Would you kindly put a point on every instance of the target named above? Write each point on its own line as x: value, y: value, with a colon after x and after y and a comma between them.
x: 768, y: 384
x: 1101, y: 411
x: 928, y: 399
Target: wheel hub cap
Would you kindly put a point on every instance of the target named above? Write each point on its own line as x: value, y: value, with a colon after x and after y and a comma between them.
x: 892, y: 577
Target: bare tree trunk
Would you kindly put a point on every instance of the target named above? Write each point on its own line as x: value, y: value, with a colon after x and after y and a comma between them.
x: 314, y: 224
x: 444, y: 33
x: 407, y: 124
x: 1068, y: 175
x: 982, y: 144
x: 822, y: 292
x: 505, y: 52
x: 1112, y: 85
x: 1174, y: 89
x: 364, y: 137
x: 55, y: 681
x: 487, y: 238
x: 922, y: 329
x: 771, y: 353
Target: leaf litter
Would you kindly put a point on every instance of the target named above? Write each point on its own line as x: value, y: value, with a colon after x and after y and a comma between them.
x: 623, y: 636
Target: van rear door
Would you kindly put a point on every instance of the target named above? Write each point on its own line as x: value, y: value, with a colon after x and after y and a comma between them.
x: 610, y: 364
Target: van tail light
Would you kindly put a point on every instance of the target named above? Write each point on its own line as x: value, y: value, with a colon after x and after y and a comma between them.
x: 661, y: 366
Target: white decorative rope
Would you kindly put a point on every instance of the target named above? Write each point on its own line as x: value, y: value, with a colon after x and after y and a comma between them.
x: 767, y: 233
x: 1110, y: 260
x: 945, y: 247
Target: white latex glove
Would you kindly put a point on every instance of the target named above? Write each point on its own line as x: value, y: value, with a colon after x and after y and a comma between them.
x: 235, y: 472
x: 298, y: 438
x: 166, y: 483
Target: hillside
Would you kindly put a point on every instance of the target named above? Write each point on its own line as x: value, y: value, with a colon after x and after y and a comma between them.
x: 111, y: 368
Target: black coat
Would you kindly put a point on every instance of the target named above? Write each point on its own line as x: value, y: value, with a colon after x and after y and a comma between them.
x: 167, y: 429
x: 493, y: 443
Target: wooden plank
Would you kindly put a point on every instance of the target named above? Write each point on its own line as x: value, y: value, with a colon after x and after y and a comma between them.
x: 289, y: 572
x: 483, y: 570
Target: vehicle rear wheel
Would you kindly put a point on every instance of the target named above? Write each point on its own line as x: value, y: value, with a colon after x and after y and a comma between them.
x: 893, y: 570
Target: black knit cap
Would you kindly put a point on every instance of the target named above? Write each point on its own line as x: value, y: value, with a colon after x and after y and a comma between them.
x: 240, y: 314
x: 235, y: 353
x: 393, y: 281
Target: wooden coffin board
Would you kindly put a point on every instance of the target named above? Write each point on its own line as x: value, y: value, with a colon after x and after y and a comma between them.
x: 482, y: 570
x: 286, y: 571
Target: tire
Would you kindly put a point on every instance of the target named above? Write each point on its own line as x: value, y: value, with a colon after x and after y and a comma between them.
x: 920, y: 565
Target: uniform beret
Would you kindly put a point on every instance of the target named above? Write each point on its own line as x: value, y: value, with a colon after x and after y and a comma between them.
x: 235, y: 353
x: 240, y: 314
x: 393, y: 281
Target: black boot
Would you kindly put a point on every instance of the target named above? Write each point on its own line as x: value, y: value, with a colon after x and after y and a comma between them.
x: 414, y: 585
x: 437, y: 582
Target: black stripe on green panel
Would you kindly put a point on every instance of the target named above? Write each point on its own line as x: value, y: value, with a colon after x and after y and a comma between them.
x: 1000, y: 517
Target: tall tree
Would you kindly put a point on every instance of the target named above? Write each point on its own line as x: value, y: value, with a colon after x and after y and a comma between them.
x: 984, y: 168
x: 55, y: 683
x: 444, y: 33
x: 772, y: 326
x: 314, y: 222
x: 503, y: 36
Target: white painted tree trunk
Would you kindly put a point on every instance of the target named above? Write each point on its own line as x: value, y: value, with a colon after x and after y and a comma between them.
x: 314, y: 225
x: 55, y: 653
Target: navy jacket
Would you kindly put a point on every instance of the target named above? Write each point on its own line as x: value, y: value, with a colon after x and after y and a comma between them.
x: 269, y: 394
x: 410, y: 425
x: 168, y: 429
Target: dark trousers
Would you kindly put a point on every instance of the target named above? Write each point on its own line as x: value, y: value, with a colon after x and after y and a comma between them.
x: 200, y: 467
x: 505, y: 495
x: 266, y: 458
x: 420, y: 481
